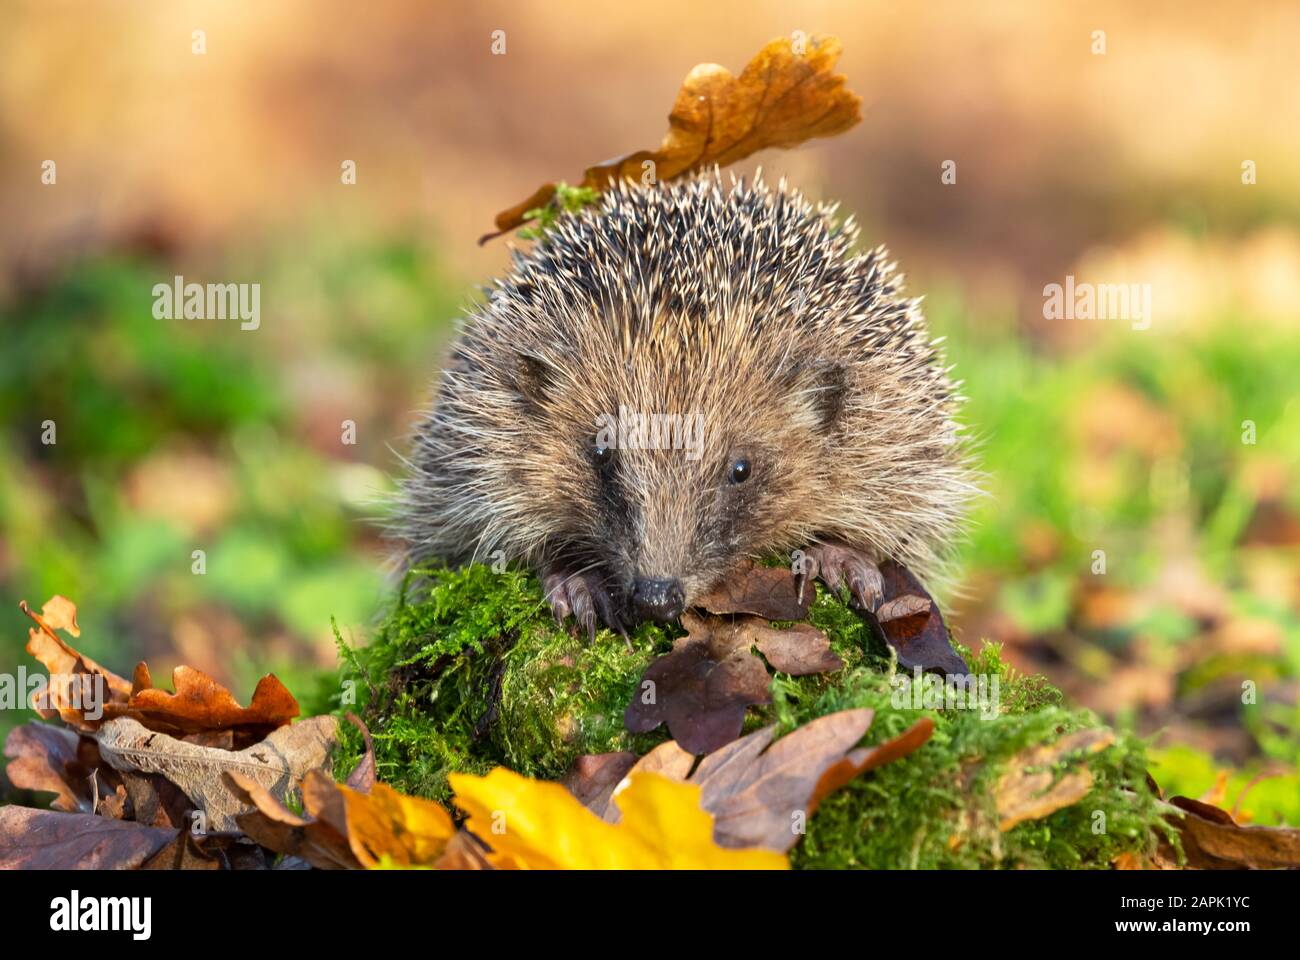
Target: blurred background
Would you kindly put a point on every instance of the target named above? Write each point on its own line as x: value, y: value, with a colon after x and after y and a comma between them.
x: 1117, y: 167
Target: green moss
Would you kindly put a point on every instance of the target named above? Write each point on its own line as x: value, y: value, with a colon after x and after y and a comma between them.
x: 567, y: 199
x: 468, y: 671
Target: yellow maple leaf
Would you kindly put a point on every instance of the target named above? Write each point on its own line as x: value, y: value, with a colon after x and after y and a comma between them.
x: 537, y: 824
x: 388, y: 828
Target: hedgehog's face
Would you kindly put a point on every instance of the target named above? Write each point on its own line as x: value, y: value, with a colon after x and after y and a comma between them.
x: 673, y: 481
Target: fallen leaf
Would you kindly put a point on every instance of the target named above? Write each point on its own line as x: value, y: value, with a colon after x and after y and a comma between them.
x: 344, y: 828
x: 782, y: 98
x: 1213, y: 840
x: 385, y: 827
x: 464, y: 852
x: 276, y: 828
x: 768, y: 592
x: 52, y: 759
x: 593, y: 778
x: 190, y: 852
x: 911, y: 623
x: 761, y: 792
x: 60, y: 613
x: 49, y: 840
x: 154, y: 800
x: 201, y: 704
x: 537, y: 824
x: 76, y: 684
x: 701, y: 688
x: 279, y: 762
x: 797, y: 650
x: 766, y: 802
x: 858, y: 762
x: 84, y: 694
x: 704, y: 685
x: 1030, y: 788
x: 667, y: 759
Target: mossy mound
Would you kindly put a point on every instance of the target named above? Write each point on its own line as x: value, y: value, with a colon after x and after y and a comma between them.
x: 468, y: 671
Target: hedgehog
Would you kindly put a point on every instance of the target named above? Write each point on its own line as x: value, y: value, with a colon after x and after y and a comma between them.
x: 679, y: 380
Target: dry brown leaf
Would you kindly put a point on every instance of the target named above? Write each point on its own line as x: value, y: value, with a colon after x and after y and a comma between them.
x: 201, y: 704
x: 277, y: 829
x: 346, y: 829
x: 1213, y: 840
x: 761, y: 792
x: 593, y: 778
x: 797, y: 650
x: 279, y: 762
x: 84, y: 694
x: 49, y: 840
x: 768, y: 592
x: 1031, y: 789
x: 704, y: 685
x: 912, y: 624
x: 857, y: 762
x: 213, y: 851
x: 154, y: 800
x: 782, y: 98
x: 76, y: 684
x: 701, y: 688
x: 667, y: 759
x: 48, y: 758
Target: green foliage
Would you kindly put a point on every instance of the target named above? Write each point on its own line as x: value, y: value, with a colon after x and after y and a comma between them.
x: 469, y: 671
x: 287, y: 544
x: 1268, y: 798
x: 567, y: 199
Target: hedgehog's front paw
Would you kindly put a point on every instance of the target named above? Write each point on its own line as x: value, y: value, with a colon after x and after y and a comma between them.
x: 836, y: 565
x: 584, y: 596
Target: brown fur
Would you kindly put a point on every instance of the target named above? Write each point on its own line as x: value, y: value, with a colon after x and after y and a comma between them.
x: 743, y: 304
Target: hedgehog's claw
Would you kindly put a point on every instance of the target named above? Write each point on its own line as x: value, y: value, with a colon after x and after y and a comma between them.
x: 584, y: 597
x: 837, y: 565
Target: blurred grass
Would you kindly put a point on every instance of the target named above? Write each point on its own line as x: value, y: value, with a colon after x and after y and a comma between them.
x: 176, y: 436
x: 185, y: 435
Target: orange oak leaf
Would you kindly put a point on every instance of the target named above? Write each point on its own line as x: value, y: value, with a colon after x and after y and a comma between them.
x: 787, y: 94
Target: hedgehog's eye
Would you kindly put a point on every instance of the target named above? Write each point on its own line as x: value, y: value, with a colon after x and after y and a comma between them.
x: 603, y: 455
x: 740, y: 470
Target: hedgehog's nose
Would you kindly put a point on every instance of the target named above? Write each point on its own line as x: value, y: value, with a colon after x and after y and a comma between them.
x: 660, y: 600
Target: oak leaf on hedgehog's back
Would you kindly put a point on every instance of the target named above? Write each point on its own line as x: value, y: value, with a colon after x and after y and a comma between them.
x: 783, y: 97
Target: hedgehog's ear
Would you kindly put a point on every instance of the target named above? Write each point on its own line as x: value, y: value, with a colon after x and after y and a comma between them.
x: 823, y: 384
x: 534, y: 378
